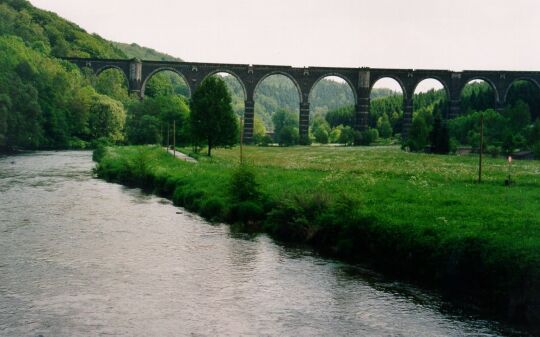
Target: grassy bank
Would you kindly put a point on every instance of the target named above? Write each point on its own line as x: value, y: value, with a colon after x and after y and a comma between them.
x: 415, y: 216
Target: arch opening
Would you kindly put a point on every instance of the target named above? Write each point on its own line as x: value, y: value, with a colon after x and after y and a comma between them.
x: 277, y: 110
x: 236, y: 90
x: 164, y: 82
x: 477, y: 95
x: 430, y: 99
x: 524, y: 91
x: 112, y: 81
x: 386, y: 107
x: 331, y: 96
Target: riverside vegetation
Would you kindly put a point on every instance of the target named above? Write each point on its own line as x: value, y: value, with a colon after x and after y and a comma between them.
x: 414, y: 216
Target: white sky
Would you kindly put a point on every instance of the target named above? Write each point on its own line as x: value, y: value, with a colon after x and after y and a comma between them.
x: 437, y: 34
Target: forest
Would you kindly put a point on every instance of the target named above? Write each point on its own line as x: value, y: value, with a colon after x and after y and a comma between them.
x: 47, y: 103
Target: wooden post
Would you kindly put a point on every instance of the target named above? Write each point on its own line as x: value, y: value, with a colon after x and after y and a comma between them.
x: 174, y: 137
x: 481, y: 147
x: 168, y: 137
x: 241, y: 139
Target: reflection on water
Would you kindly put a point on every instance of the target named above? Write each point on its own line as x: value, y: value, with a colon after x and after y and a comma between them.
x: 79, y: 257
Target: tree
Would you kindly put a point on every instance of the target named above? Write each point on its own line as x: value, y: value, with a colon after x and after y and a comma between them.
x: 107, y: 118
x: 285, y: 127
x: 439, y: 137
x: 384, y: 126
x: 418, y: 134
x: 347, y: 136
x: 321, y: 130
x: 259, y: 131
x: 212, y: 118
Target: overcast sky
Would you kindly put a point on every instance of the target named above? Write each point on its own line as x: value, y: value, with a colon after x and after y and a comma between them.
x: 440, y: 34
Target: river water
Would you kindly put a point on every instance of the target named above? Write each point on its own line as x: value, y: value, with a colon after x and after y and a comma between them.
x: 83, y: 257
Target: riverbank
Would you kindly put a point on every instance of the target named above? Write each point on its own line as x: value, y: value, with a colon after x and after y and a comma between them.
x: 414, y: 216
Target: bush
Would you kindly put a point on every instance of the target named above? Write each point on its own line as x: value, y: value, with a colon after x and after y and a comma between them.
x: 366, y: 137
x: 347, y: 136
x: 213, y: 208
x: 418, y: 135
x: 246, y: 211
x: 494, y: 151
x: 243, y: 186
x: 265, y: 140
x: 536, y: 150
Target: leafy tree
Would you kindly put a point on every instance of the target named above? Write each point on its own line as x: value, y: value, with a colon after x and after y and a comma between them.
x: 418, y: 134
x: 384, y: 126
x: 342, y: 116
x: 285, y: 128
x: 212, y: 119
x: 347, y: 136
x: 259, y: 130
x: 107, y: 118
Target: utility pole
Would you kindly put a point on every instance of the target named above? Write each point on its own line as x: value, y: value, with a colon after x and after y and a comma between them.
x: 174, y: 137
x: 481, y: 147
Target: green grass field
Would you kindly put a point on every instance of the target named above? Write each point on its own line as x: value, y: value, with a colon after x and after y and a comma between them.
x: 418, y: 216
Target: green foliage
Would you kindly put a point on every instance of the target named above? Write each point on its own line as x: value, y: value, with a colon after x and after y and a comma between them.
x: 107, y: 118
x: 51, y: 35
x: 418, y: 134
x: 347, y: 136
x: 243, y: 185
x: 439, y: 136
x: 342, y: 116
x: 113, y: 83
x: 133, y: 50
x: 285, y: 128
x: 212, y: 119
x: 384, y: 126
x: 148, y: 120
x: 166, y: 83
x: 259, y: 131
x: 366, y: 137
x: 321, y: 130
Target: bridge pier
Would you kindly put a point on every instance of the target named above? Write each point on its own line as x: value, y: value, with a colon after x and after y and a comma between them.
x: 363, y: 100
x: 304, y: 123
x: 407, y: 117
x: 135, y: 77
x: 455, y: 109
x: 249, y: 120
x: 361, y: 120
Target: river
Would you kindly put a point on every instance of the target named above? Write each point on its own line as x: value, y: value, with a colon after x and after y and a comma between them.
x: 83, y: 257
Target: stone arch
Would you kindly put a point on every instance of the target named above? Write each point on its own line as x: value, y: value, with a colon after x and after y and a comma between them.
x: 514, y: 80
x: 482, y: 78
x: 332, y: 74
x: 233, y: 74
x: 433, y: 77
x: 158, y: 70
x: 289, y: 76
x: 110, y: 66
x: 395, y: 78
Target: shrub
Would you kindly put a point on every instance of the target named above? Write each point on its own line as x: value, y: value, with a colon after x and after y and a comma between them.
x: 243, y: 185
x: 213, y: 208
x: 366, y: 137
x: 246, y: 211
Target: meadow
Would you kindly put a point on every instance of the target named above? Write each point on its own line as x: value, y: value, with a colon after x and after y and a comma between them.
x: 419, y: 217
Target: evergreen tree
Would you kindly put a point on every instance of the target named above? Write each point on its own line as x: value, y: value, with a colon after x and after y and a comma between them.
x: 212, y: 118
x: 439, y: 136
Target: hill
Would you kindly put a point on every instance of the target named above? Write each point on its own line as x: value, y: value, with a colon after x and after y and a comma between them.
x: 133, y: 50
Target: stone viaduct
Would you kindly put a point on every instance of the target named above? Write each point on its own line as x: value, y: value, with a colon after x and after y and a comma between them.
x: 361, y: 81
